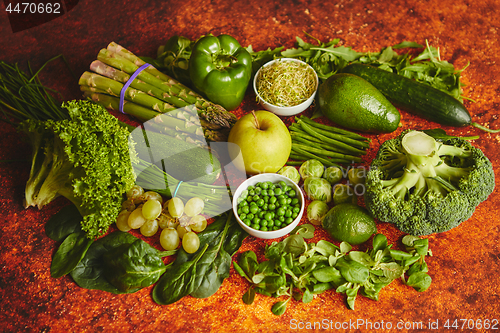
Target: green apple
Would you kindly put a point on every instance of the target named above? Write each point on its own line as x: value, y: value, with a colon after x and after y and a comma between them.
x: 262, y: 143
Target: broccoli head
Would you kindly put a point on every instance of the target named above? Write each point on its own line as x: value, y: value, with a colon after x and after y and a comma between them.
x: 426, y: 186
x: 87, y: 159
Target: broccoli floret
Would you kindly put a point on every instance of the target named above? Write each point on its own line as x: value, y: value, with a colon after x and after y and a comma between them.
x: 87, y: 159
x: 425, y: 186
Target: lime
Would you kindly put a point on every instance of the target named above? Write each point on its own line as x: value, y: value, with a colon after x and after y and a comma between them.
x: 349, y: 223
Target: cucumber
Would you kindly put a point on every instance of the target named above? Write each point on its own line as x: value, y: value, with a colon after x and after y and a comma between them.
x: 182, y: 160
x: 415, y: 97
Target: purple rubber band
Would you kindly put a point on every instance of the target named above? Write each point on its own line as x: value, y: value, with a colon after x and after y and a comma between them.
x: 127, y: 84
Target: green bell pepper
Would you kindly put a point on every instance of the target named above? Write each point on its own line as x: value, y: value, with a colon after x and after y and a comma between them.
x: 221, y: 69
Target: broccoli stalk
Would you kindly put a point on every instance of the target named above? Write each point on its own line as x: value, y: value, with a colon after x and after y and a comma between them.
x: 87, y: 159
x: 426, y: 186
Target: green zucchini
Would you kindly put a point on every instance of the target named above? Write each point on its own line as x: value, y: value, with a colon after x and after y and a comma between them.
x: 182, y: 160
x: 415, y: 97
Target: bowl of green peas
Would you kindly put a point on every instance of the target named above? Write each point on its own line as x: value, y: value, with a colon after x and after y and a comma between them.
x: 268, y: 205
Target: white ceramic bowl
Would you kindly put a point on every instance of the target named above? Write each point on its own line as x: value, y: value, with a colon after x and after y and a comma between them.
x: 264, y: 177
x: 281, y: 110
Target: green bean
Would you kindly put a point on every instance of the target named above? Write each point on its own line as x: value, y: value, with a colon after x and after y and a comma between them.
x: 331, y: 128
x: 323, y: 152
x: 339, y: 137
x: 331, y: 141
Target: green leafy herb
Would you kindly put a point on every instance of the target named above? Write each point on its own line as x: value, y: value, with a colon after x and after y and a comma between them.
x: 63, y: 223
x: 297, y: 269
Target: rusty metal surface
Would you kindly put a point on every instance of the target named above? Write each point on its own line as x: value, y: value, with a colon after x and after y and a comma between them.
x: 466, y: 262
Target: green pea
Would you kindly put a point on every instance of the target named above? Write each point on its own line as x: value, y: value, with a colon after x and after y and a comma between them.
x: 271, y: 206
x: 247, y: 222
x: 256, y: 226
x: 264, y: 193
x: 263, y: 223
x: 260, y: 202
x: 265, y: 207
x: 288, y: 201
x: 282, y: 201
x: 295, y: 209
x: 253, y: 209
x: 264, y: 229
x: 288, y: 213
x: 288, y: 220
x: 281, y: 218
x: 239, y: 211
x: 251, y: 193
x: 280, y: 211
x: 272, y: 200
x: 258, y: 190
x: 242, y: 216
x: 276, y: 228
x: 282, y: 183
x: 256, y: 220
x: 271, y: 193
x: 292, y: 193
x: 256, y: 198
x: 278, y: 191
x: 251, y: 187
x: 295, y: 201
x: 294, y: 215
x: 266, y: 199
x: 245, y: 209
x: 250, y: 216
x: 277, y: 223
x: 268, y: 216
x: 261, y: 214
x: 270, y: 223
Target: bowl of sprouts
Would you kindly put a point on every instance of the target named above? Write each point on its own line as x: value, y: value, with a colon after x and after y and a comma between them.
x: 285, y: 86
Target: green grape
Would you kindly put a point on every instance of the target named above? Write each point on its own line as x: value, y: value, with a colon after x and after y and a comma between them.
x: 149, y: 195
x: 151, y: 209
x: 194, y: 206
x: 128, y: 205
x: 135, y: 193
x: 169, y: 239
x: 149, y: 228
x: 135, y: 219
x: 190, y: 242
x: 122, y: 221
x: 198, y: 223
x: 167, y: 221
x: 182, y: 230
x: 175, y: 207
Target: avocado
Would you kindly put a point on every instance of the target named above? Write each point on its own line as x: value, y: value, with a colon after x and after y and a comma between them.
x: 352, y: 102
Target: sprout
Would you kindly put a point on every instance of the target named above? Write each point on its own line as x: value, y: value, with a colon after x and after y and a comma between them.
x: 290, y: 172
x: 311, y: 168
x: 318, y: 189
x: 357, y: 175
x: 316, y: 211
x: 333, y: 175
x: 343, y: 193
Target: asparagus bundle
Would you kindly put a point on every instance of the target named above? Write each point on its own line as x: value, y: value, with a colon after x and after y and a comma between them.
x: 152, y: 93
x: 330, y: 145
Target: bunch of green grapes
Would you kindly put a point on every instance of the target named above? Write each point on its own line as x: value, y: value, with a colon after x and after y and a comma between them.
x: 179, y: 222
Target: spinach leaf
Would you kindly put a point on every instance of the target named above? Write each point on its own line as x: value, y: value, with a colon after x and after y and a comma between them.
x: 130, y: 267
x: 177, y: 281
x: 63, y: 223
x: 201, y: 273
x: 69, y: 253
x: 89, y: 273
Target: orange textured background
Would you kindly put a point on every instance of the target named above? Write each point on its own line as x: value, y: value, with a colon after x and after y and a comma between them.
x: 466, y: 262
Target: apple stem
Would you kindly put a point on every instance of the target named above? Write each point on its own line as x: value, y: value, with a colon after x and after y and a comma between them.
x: 257, y: 125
